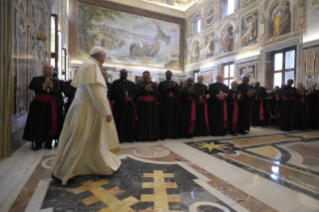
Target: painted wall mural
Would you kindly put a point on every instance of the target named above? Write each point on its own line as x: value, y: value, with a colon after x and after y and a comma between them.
x: 178, y: 4
x: 209, y: 14
x: 38, y: 15
x: 128, y: 39
x: 227, y: 39
x: 249, y: 29
x: 20, y: 64
x: 245, y: 3
x: 280, y: 19
x: 195, y: 52
x: 24, y: 5
x: 209, y: 46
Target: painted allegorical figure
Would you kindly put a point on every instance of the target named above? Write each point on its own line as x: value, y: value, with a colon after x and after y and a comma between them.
x: 227, y: 39
x: 249, y: 31
x: 280, y: 19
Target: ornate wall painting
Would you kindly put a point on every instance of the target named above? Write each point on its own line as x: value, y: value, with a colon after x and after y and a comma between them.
x: 249, y: 70
x: 300, y: 23
x: 20, y: 64
x: 209, y: 14
x: 310, y: 62
x: 227, y: 39
x: 195, y: 52
x: 37, y: 15
x: 280, y: 19
x: 249, y: 30
x: 245, y: 3
x: 37, y: 63
x: 208, y: 78
x: 116, y: 76
x: 24, y: 5
x: 128, y: 39
x: 308, y: 81
x: 209, y: 45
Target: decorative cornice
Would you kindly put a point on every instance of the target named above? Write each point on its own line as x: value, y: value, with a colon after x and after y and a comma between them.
x: 151, y: 7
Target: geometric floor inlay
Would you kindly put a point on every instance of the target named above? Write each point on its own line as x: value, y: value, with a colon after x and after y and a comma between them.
x: 283, y: 159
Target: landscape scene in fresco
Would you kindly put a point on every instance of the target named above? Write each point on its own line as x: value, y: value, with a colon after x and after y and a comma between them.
x: 128, y: 39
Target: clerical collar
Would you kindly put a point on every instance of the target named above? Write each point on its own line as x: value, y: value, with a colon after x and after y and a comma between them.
x: 123, y: 80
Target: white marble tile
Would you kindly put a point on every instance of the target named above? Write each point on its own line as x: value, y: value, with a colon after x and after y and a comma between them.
x: 38, y: 197
x: 16, y: 171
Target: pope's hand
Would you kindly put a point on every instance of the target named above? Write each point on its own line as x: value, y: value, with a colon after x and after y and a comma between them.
x: 109, y: 118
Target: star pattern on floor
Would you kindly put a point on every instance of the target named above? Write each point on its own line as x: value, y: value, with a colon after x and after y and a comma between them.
x: 211, y: 146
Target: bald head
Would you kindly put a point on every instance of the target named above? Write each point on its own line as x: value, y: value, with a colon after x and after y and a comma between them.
x: 219, y: 78
x: 200, y: 79
x: 299, y: 85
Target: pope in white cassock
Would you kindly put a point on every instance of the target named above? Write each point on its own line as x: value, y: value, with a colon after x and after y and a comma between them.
x: 89, y: 135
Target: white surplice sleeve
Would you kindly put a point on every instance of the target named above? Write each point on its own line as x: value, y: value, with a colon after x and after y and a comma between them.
x: 98, y: 95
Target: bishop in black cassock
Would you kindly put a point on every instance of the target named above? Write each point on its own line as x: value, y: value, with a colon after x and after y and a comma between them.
x: 124, y: 107
x: 188, y: 96
x: 258, y: 109
x: 300, y: 110
x: 218, y: 93
x: 232, y: 109
x: 313, y: 107
x: 245, y: 94
x: 44, y: 118
x: 288, y: 94
x: 202, y: 125
x: 169, y: 107
x: 147, y: 112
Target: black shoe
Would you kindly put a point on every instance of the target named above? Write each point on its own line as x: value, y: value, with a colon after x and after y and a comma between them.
x: 162, y: 138
x: 233, y: 133
x: 175, y: 137
x: 36, y: 148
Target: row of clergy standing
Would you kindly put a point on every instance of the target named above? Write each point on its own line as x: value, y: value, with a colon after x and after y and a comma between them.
x: 147, y: 111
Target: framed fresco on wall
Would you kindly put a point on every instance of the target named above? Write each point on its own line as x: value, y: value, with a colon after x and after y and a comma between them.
x: 310, y: 61
x: 37, y: 62
x: 280, y: 19
x: 135, y: 38
x: 38, y: 15
x: 24, y: 5
x: 249, y: 29
x: 247, y: 70
x: 251, y: 69
x: 21, y: 79
x: 309, y: 80
x: 209, y: 45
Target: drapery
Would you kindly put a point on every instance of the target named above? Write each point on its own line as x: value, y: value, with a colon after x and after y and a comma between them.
x: 6, y: 78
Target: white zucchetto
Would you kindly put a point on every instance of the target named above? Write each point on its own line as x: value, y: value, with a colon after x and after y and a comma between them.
x: 96, y: 49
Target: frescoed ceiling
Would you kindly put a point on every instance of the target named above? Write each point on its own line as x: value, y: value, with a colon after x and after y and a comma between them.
x: 175, y: 4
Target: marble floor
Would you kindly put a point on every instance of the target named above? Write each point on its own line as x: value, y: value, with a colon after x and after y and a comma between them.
x: 266, y: 170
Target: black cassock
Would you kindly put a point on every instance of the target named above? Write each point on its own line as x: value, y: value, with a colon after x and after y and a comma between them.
x: 188, y: 111
x: 217, y: 109
x: 287, y: 107
x: 124, y: 111
x: 69, y: 91
x: 45, y: 116
x: 244, y: 106
x: 300, y: 111
x: 313, y: 110
x: 147, y: 112
x: 258, y: 108
x: 201, y: 125
x: 232, y: 109
x: 274, y: 98
x: 169, y: 109
x: 110, y: 93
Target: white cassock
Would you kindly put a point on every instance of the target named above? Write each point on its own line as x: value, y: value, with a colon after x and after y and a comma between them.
x: 87, y: 139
